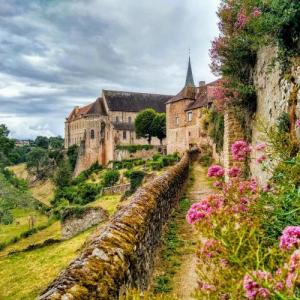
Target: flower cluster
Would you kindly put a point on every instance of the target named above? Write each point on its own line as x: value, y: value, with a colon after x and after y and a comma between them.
x: 215, y: 171
x: 204, y: 208
x: 290, y: 237
x: 298, y: 123
x: 234, y: 172
x: 253, y: 289
x: 240, y: 150
x: 293, y: 269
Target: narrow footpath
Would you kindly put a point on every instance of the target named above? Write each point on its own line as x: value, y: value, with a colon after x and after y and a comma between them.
x: 185, y: 280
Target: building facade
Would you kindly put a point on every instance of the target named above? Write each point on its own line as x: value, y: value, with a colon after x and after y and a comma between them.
x: 183, y: 113
x: 98, y: 128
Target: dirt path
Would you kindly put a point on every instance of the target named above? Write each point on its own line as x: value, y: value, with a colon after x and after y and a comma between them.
x: 185, y: 281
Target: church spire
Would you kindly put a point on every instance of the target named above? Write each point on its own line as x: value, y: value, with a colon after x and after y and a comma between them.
x: 189, y: 75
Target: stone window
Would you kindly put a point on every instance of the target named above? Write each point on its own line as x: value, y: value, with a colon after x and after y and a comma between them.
x: 117, y: 119
x: 92, y: 134
x: 124, y: 135
x: 177, y: 121
x: 190, y: 116
x: 129, y: 120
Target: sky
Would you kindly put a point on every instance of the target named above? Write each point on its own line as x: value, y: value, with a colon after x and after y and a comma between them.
x: 56, y: 54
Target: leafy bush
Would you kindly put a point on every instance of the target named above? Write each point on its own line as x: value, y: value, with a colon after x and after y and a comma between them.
x: 110, y: 178
x: 136, y: 179
x: 216, y: 128
x: 72, y: 154
x: 73, y: 212
x: 6, y: 217
x: 283, y: 122
x: 20, y: 184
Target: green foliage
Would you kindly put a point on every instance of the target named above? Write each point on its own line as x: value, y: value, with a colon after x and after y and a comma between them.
x: 110, y: 178
x: 56, y: 142
x: 283, y: 122
x: 42, y: 142
x: 72, y: 155
x: 84, y: 175
x: 159, y: 126
x: 63, y: 176
x: 128, y: 163
x: 18, y: 154
x: 6, y: 146
x: 134, y: 148
x: 38, y: 162
x: 136, y: 179
x: 20, y: 184
x: 143, y: 124
x: 216, y: 128
x: 6, y: 217
x: 73, y: 212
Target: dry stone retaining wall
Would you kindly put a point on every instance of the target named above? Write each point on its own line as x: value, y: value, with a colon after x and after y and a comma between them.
x: 122, y: 255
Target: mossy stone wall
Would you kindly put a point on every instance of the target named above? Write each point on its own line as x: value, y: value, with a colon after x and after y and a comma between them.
x: 122, y: 255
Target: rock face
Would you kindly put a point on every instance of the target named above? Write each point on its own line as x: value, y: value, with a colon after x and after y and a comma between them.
x: 122, y: 255
x: 74, y: 224
x: 274, y: 92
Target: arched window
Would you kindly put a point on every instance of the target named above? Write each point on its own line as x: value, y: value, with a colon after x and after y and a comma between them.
x: 92, y: 134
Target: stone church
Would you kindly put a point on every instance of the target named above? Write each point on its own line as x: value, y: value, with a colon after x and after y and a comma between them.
x: 98, y: 128
x: 183, y: 113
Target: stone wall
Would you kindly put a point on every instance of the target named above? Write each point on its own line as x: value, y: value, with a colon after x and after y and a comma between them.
x: 77, y: 222
x: 273, y: 95
x: 123, y: 154
x: 232, y: 133
x: 122, y: 255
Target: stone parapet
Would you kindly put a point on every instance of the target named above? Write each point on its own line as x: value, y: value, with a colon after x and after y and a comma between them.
x: 122, y: 255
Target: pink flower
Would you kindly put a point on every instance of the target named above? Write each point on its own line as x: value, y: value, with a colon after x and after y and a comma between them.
x: 260, y: 147
x: 298, y: 123
x: 253, y: 289
x: 253, y: 185
x: 293, y: 269
x: 206, y: 287
x: 241, y: 21
x: 290, y: 237
x: 240, y: 150
x: 234, y: 172
x: 215, y: 171
x: 261, y: 159
x: 256, y: 12
x: 210, y: 248
x: 267, y: 188
x: 217, y: 184
x: 204, y: 208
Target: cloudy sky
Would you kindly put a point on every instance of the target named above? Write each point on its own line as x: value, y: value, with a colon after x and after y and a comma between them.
x: 55, y: 54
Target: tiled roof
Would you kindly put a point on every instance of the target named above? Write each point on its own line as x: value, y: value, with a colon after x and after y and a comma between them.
x: 134, y: 102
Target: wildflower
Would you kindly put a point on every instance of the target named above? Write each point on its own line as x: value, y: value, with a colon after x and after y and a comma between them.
x: 253, y: 289
x: 209, y: 248
x: 253, y: 185
x: 206, y: 286
x: 234, y: 172
x: 260, y: 147
x: 298, y: 123
x: 290, y: 237
x: 215, y: 171
x: 241, y: 21
x: 261, y: 159
x: 293, y: 270
x: 267, y: 188
x: 240, y: 150
x: 256, y: 12
x: 217, y: 184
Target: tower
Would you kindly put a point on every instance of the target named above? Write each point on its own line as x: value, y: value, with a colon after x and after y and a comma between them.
x: 189, y: 75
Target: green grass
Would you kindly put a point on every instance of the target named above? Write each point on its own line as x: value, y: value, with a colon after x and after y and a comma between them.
x: 20, y: 223
x: 109, y: 203
x: 25, y: 275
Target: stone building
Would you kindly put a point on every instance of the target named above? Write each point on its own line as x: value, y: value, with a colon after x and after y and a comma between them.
x: 183, y: 112
x: 98, y: 128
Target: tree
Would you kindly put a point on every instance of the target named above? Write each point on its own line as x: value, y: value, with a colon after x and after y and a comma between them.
x: 39, y: 163
x: 159, y: 126
x: 56, y: 142
x: 72, y: 155
x: 63, y: 175
x: 6, y: 145
x: 42, y: 142
x: 143, y: 124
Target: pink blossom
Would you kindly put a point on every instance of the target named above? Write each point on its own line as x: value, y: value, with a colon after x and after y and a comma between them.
x: 206, y: 287
x: 217, y: 184
x: 204, y: 208
x: 253, y: 185
x: 241, y: 21
x: 293, y: 269
x: 234, y: 172
x: 210, y: 248
x: 290, y: 237
x: 215, y: 171
x: 261, y: 159
x: 298, y: 123
x: 267, y: 188
x: 253, y: 289
x: 279, y: 286
x: 260, y: 147
x: 256, y: 12
x: 240, y: 150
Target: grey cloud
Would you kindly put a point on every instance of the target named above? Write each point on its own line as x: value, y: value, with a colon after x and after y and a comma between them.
x: 77, y: 47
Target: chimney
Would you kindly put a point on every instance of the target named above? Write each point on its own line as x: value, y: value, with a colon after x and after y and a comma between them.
x: 201, y: 83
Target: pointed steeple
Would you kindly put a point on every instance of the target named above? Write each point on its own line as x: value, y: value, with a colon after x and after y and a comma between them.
x: 189, y: 75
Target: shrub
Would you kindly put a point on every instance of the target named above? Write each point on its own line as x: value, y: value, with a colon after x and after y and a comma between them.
x: 6, y: 217
x: 136, y: 178
x: 134, y: 148
x: 110, y: 178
